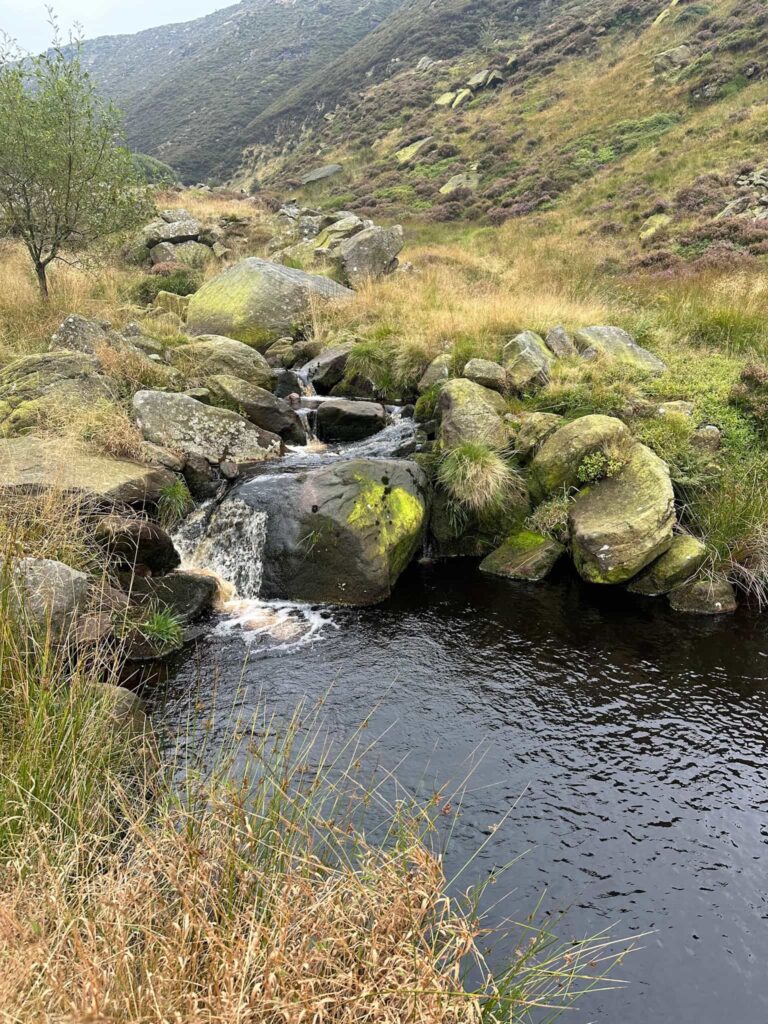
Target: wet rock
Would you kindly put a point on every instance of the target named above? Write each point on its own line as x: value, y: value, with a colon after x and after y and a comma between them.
x: 177, y: 421
x: 486, y: 373
x: 343, y: 420
x: 615, y: 343
x: 527, y: 362
x: 704, y: 597
x: 202, y: 481
x: 32, y: 464
x: 281, y: 354
x: 135, y: 542
x: 471, y: 413
x: 524, y: 556
x: 560, y: 343
x: 328, y: 368
x: 621, y: 524
x: 257, y: 301
x: 342, y: 533
x: 289, y: 383
x: 556, y: 464
x: 474, y: 535
x: 261, y: 407
x: 677, y: 566
x: 210, y: 355
x: 47, y: 593
x: 189, y: 595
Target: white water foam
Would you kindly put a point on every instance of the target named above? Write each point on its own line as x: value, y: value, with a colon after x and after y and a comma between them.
x: 227, y: 541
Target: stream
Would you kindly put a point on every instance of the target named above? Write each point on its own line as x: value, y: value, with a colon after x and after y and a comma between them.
x: 627, y: 745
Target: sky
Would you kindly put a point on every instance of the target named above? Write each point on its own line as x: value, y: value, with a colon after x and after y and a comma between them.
x: 26, y: 20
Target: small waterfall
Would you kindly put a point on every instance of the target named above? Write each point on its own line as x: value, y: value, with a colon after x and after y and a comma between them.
x: 228, y: 540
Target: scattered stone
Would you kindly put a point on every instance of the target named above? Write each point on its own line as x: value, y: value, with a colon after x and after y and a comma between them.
x: 445, y: 99
x: 462, y: 97
x: 209, y: 355
x: 621, y: 524
x: 48, y: 593
x: 556, y: 465
x: 177, y: 421
x: 469, y: 180
x: 652, y: 225
x: 32, y: 464
x: 437, y: 371
x: 328, y: 368
x: 200, y: 478
x: 673, y: 60
x: 527, y: 361
x: 191, y: 254
x: 560, y: 343
x: 408, y: 153
x: 677, y: 566
x: 486, y: 373
x: 471, y: 413
x: 341, y: 533
x: 76, y: 334
x: 615, y: 343
x: 704, y: 597
x: 678, y: 408
x: 524, y: 556
x: 257, y: 301
x: 177, y: 231
x: 370, y: 254
x: 321, y: 173
x: 135, y: 542
x: 708, y: 437
x: 340, y: 420
x: 290, y: 383
x: 261, y: 407
x: 281, y: 354
x: 154, y: 455
x: 536, y: 427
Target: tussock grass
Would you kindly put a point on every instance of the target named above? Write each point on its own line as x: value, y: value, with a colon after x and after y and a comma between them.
x: 103, y: 427
x: 476, y: 478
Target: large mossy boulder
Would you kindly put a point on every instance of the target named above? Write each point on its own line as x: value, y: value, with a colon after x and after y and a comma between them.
x: 339, y: 534
x: 534, y: 429
x: 524, y: 556
x: 257, y: 302
x: 29, y: 464
x: 616, y: 344
x: 487, y: 374
x: 676, y: 567
x: 33, y: 384
x: 186, y: 425
x: 557, y: 462
x: 260, y: 407
x: 470, y: 412
x: 621, y: 524
x: 209, y: 355
x: 527, y: 362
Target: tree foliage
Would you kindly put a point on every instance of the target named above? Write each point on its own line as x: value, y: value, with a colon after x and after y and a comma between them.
x: 66, y: 179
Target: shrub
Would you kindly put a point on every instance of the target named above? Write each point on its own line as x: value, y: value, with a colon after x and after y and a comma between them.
x: 599, y: 465
x: 476, y: 478
x: 551, y: 517
x: 180, y: 282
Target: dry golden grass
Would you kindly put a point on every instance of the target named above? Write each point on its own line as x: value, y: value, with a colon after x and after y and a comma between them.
x: 104, y: 428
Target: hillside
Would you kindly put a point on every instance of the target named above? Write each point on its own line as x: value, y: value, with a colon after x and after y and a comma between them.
x: 189, y: 90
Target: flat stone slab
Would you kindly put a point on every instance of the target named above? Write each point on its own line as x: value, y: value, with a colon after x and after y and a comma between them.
x: 524, y: 556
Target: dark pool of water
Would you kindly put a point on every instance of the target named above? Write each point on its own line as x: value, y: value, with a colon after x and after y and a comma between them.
x: 634, y: 741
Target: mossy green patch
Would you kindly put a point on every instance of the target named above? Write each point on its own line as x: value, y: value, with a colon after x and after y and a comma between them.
x: 394, y: 516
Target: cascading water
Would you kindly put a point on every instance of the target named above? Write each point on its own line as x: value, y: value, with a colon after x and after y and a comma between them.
x: 227, y: 540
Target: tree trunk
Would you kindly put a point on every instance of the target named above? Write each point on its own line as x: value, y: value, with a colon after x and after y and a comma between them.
x: 42, y: 280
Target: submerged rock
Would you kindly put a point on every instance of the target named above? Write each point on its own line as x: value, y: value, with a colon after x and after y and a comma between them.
x: 524, y: 556
x: 621, y: 524
x: 471, y: 413
x: 679, y: 564
x: 341, y: 533
x: 178, y: 421
x: 257, y: 301
x: 704, y: 597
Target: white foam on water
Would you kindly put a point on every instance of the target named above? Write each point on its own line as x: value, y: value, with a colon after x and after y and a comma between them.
x: 227, y: 541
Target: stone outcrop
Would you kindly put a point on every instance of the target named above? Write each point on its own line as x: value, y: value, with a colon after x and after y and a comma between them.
x: 486, y: 373
x: 369, y: 254
x: 556, y: 464
x: 527, y: 362
x: 180, y: 422
x: 33, y: 384
x: 471, y: 413
x: 615, y: 343
x: 48, y: 594
x: 438, y: 371
x: 209, y: 355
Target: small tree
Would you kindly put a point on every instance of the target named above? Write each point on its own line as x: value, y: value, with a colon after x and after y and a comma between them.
x: 66, y: 180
